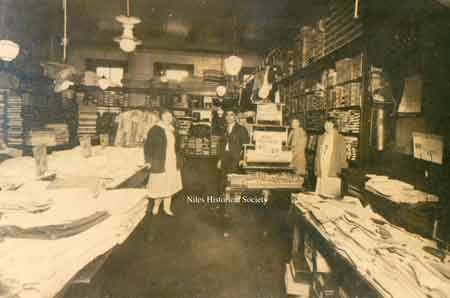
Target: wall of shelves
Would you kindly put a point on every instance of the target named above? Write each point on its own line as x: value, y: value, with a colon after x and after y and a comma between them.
x: 329, y: 79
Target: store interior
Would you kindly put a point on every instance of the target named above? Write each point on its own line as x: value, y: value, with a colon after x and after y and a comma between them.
x: 212, y: 148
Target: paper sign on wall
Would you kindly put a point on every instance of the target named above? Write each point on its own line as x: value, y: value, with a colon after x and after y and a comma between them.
x: 428, y: 147
x: 411, y: 101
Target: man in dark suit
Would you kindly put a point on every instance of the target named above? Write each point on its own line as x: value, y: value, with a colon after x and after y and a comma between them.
x: 230, y: 152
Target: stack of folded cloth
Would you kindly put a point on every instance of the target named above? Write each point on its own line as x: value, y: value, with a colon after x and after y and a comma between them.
x: 14, y: 120
x: 87, y: 120
x: 397, y: 191
x: 40, y: 137
x: 212, y: 75
x: 61, y: 131
x: 2, y: 120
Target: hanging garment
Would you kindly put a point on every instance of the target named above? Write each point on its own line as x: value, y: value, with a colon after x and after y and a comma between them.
x: 298, y: 140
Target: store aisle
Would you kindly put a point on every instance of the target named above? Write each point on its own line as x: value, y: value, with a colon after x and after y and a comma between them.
x: 187, y: 256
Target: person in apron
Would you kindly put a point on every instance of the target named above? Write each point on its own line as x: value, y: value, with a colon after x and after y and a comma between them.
x: 330, y: 160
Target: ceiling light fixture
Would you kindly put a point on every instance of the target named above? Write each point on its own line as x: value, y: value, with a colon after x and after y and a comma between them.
x: 9, y: 50
x: 127, y: 41
x: 103, y: 83
x: 221, y: 90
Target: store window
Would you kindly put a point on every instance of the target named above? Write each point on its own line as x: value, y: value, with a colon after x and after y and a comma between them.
x: 113, y: 74
x: 113, y: 70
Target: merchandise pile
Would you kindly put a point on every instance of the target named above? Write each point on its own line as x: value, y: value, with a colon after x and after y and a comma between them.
x: 347, y: 121
x: 352, y: 147
x: 398, y: 191
x: 40, y: 137
x: 133, y: 127
x: 80, y: 235
x: 61, y: 132
x: 2, y: 120
x: 394, y: 262
x: 87, y: 119
x: 263, y: 180
x: 198, y: 146
x: 14, y: 120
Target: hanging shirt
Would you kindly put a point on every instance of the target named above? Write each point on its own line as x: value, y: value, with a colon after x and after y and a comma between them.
x: 229, y: 130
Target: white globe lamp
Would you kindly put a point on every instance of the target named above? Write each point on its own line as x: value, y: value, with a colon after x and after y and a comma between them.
x: 9, y: 50
x: 221, y: 90
x: 103, y: 83
x: 233, y: 65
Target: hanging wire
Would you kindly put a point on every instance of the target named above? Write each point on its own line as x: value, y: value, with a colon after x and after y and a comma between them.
x: 128, y: 8
x: 356, y: 15
x: 65, y: 40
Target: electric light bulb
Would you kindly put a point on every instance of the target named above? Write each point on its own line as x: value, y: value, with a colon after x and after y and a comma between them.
x: 103, y: 83
x: 127, y: 45
x: 221, y: 90
x: 9, y: 50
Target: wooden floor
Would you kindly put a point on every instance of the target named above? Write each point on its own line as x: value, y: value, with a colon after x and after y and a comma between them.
x: 188, y: 256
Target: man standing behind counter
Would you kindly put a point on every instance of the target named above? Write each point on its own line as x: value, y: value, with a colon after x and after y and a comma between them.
x: 230, y: 152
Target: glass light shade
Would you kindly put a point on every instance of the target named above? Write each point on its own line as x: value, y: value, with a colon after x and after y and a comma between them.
x: 127, y: 45
x: 164, y: 79
x: 233, y: 65
x: 221, y: 90
x: 103, y: 83
x: 9, y: 50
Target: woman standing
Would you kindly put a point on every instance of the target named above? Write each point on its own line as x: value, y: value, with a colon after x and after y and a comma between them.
x: 298, y: 140
x: 160, y: 150
x: 330, y: 160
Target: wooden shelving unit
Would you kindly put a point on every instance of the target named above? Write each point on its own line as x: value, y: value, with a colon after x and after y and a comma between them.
x: 344, y: 38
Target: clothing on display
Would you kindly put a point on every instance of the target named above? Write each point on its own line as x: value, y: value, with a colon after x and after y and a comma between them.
x: 133, y: 127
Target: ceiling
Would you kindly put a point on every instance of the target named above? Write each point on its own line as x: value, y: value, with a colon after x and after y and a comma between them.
x: 170, y: 24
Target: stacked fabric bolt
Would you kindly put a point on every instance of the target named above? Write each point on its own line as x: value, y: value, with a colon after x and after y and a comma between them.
x: 2, y: 120
x: 315, y: 120
x: 352, y: 147
x: 40, y: 137
x: 263, y: 180
x: 19, y: 202
x: 355, y: 94
x: 198, y: 146
x: 49, y: 266
x: 87, y: 120
x: 212, y: 75
x: 184, y: 125
x: 61, y: 132
x: 397, y: 191
x: 215, y: 140
x: 347, y: 121
x: 14, y: 120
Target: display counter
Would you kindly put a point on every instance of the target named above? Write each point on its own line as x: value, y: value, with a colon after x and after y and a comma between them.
x: 366, y: 255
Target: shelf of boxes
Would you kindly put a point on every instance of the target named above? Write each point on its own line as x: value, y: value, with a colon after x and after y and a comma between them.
x: 15, y: 129
x: 2, y: 119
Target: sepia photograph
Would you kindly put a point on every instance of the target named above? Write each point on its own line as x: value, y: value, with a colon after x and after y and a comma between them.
x: 224, y: 148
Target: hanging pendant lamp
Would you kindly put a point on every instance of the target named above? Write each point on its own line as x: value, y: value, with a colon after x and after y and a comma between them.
x: 62, y: 82
x: 103, y: 83
x: 221, y: 90
x: 127, y: 41
x: 9, y: 50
